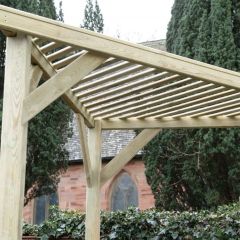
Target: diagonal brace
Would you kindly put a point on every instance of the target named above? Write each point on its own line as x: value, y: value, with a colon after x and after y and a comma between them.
x: 127, y: 153
x: 48, y: 71
x: 35, y: 77
x: 84, y: 148
x: 57, y: 85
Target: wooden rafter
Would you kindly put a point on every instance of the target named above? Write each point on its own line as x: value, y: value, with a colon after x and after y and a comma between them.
x: 57, y: 85
x: 49, y: 71
x: 15, y: 20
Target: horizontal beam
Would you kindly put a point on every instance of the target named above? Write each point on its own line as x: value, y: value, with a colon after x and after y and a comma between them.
x: 185, y: 122
x: 15, y: 20
x: 48, y: 71
x: 127, y: 153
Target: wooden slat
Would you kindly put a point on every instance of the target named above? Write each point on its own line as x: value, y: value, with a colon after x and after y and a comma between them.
x: 185, y: 122
x: 102, y: 72
x: 59, y: 84
x: 201, y: 102
x: 234, y: 114
x: 174, y: 100
x: 64, y: 62
x: 127, y: 153
x: 15, y: 20
x: 138, y: 78
x: 171, y: 100
x: 14, y: 137
x: 105, y: 83
x: 205, y: 110
x: 163, y: 99
x: 90, y: 86
x: 217, y: 108
x: 60, y: 53
x: 84, y: 148
x: 226, y: 112
x: 138, y: 104
x: 69, y: 98
x: 135, y: 89
x: 92, y: 222
x: 187, y: 101
x: 50, y: 46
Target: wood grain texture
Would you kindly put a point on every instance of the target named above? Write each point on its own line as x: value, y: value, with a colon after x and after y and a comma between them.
x: 14, y: 137
x: 84, y: 147
x: 48, y: 72
x: 127, y: 153
x: 15, y: 20
x: 56, y: 86
x: 92, y: 223
x: 35, y: 77
x: 168, y: 122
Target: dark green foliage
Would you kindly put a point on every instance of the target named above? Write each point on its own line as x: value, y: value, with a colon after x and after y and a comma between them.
x: 47, y: 9
x: 48, y: 131
x: 224, y: 223
x: 194, y: 169
x: 93, y: 19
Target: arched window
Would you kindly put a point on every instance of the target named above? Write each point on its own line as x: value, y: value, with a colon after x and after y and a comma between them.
x: 124, y: 193
x: 41, y: 207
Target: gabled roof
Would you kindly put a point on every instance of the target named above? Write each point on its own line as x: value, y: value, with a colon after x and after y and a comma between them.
x: 131, y: 86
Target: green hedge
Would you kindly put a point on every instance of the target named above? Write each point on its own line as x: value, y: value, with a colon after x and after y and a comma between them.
x: 224, y: 223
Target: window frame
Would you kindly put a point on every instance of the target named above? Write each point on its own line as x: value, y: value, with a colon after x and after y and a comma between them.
x: 113, y: 187
x: 47, y: 206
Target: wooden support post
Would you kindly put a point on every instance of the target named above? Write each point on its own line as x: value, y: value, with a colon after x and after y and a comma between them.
x: 14, y: 137
x: 92, y: 224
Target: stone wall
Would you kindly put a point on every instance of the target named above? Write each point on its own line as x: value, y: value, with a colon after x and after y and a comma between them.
x: 72, y: 189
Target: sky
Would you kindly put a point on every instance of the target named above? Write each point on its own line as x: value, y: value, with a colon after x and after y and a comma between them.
x: 131, y: 20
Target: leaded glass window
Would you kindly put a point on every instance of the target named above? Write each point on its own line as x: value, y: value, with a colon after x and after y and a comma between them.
x: 124, y: 193
x: 42, y: 205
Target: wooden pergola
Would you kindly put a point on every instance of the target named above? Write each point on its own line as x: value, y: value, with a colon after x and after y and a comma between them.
x: 109, y: 84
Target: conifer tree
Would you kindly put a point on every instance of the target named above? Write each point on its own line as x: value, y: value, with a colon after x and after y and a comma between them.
x: 98, y: 18
x: 199, y: 168
x: 60, y: 13
x: 93, y: 19
x: 46, y: 154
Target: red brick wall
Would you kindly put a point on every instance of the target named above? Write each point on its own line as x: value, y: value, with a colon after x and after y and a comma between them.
x: 72, y: 189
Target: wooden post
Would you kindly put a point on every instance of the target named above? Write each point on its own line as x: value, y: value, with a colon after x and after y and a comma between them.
x: 93, y: 191
x: 14, y: 137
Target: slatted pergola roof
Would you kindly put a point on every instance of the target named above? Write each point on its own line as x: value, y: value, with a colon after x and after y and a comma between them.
x: 110, y: 84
